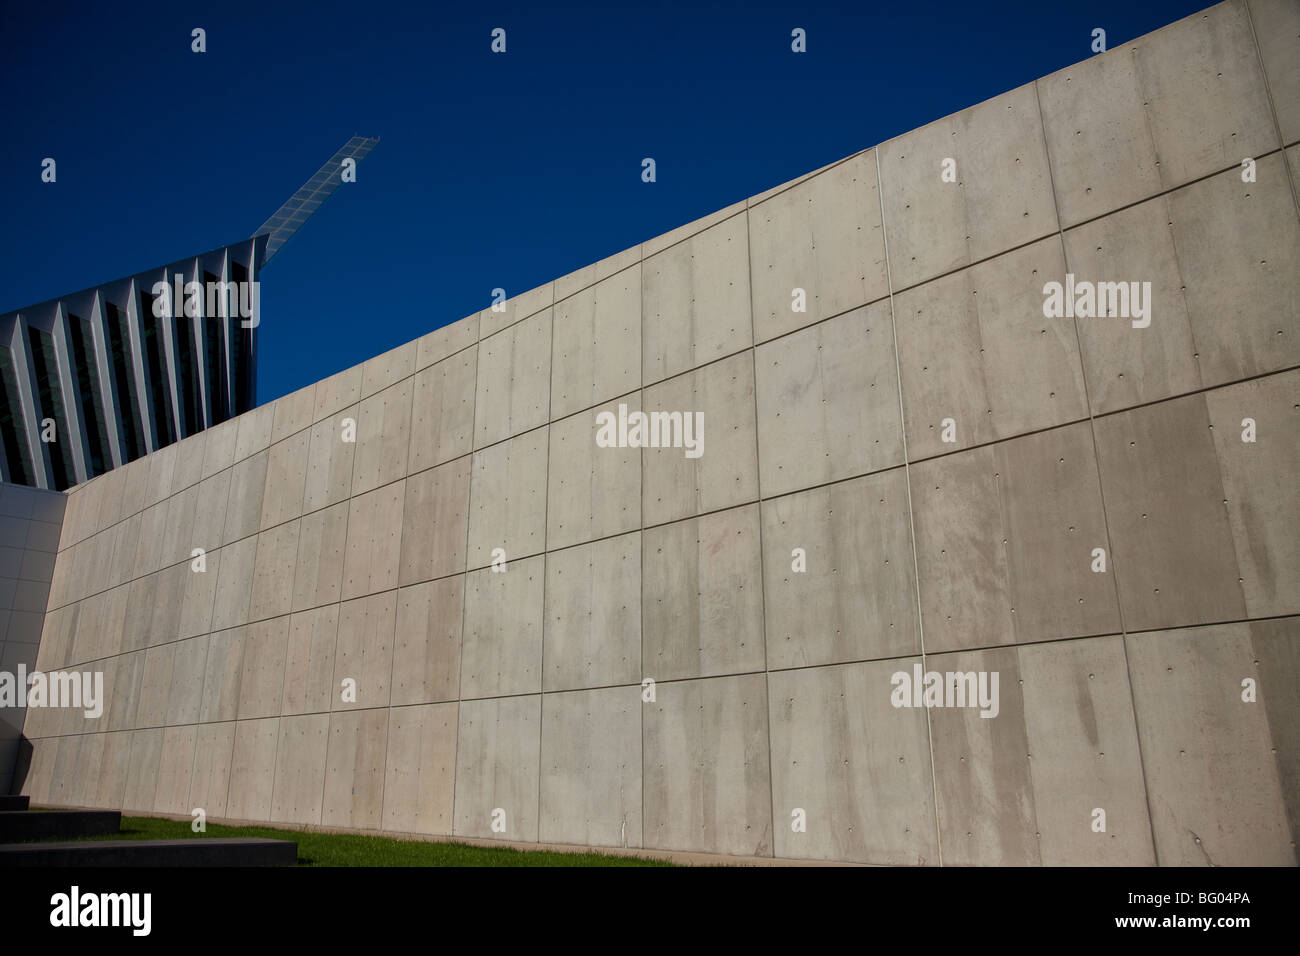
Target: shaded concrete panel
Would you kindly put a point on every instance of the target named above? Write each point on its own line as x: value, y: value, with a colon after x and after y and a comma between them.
x: 61, y: 789
x: 442, y: 413
x: 336, y: 393
x: 696, y: 301
x: 822, y: 236
x: 142, y: 777
x: 162, y: 468
x: 725, y: 473
x: 244, y: 506
x: 591, y: 767
x: 221, y: 673
x: 426, y: 652
x: 126, y: 543
x: 293, y: 413
x: 1084, y: 753
x: 374, y: 541
x: 1173, y: 547
x: 148, y: 552
x: 135, y: 490
x: 123, y: 679
x: 1239, y: 248
x: 514, y: 380
x: 593, y: 615
x: 702, y: 596
x: 187, y: 467
x: 1005, y: 537
x: 300, y: 769
x: 515, y: 308
x: 261, y: 682
x: 114, y: 765
x: 210, y: 780
x: 110, y: 492
x: 419, y: 785
x: 1277, y: 28
x: 508, y: 499
x: 856, y: 766
x: 1277, y: 649
x: 234, y: 570
x: 209, y: 515
x: 155, y: 686
x: 502, y: 649
x: 853, y: 595
x: 828, y: 402
x: 497, y: 767
x: 329, y: 461
x: 364, y: 651
x: 1001, y: 199
x: 354, y: 769
x: 597, y: 343
x: 592, y: 491
x: 387, y: 369
x: 139, y: 613
x: 1259, y: 486
x: 587, y: 276
x: 322, y: 550
x: 254, y: 432
x: 175, y: 768
x: 309, y: 662
x: 383, y: 437
x: 276, y: 561
x: 446, y: 341
x: 435, y: 521
x: 185, y: 696
x: 286, y: 479
x: 168, y: 598
x: 1126, y: 365
x: 707, y: 784
x: 180, y: 526
x: 252, y: 769
x: 1215, y: 788
x: 218, y: 453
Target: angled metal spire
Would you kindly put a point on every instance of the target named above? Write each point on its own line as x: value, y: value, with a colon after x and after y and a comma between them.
x: 302, y: 204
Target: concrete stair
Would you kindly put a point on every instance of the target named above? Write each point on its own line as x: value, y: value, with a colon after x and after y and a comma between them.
x: 217, y: 851
x: 18, y: 826
x: 13, y: 802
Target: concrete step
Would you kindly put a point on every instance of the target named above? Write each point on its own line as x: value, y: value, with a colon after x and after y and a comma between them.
x: 200, y: 851
x: 19, y: 825
x: 13, y: 802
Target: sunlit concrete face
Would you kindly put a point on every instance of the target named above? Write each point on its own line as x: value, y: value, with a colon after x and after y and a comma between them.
x: 433, y: 600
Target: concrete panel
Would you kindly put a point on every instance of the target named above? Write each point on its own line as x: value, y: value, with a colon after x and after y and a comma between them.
x: 856, y: 766
x: 234, y: 570
x: 1277, y: 649
x: 148, y: 552
x: 426, y: 652
x: 702, y: 597
x: 383, y: 371
x: 497, y: 767
x: 1277, y: 26
x: 155, y: 686
x: 221, y: 673
x: 336, y: 393
x: 114, y: 766
x: 354, y: 769
x: 244, y: 506
x: 322, y: 550
x: 277, y: 556
x: 309, y: 662
x: 725, y: 472
x: 588, y: 276
x: 185, y: 696
x: 180, y: 526
x: 383, y: 437
x: 442, y: 414
x: 659, y: 243
x: 374, y: 541
x: 828, y: 402
x: 854, y: 597
x: 300, y: 769
x: 1078, y: 715
x: 695, y: 300
x: 187, y: 468
x: 1004, y: 540
x: 419, y: 785
x: 514, y: 380
x: 592, y: 492
x: 210, y: 780
x: 502, y: 649
x: 508, y: 499
x: 293, y: 413
x: 364, y: 651
x: 254, y: 431
x: 593, y: 615
x: 329, y: 461
x: 707, y: 783
x: 168, y: 601
x: 123, y: 679
x: 111, y: 490
x: 596, y: 344
x: 175, y: 768
x: 135, y: 490
x: 1155, y: 113
x: 218, y: 453
x: 591, y: 767
x: 286, y: 479
x: 261, y: 682
x: 1258, y: 484
x: 1002, y: 197
x: 209, y: 514
x: 822, y: 236
x: 1173, y: 547
x: 1239, y: 248
x: 1206, y: 752
x: 446, y: 341
x: 516, y: 308
x: 252, y: 769
x: 435, y: 522
x: 142, y: 778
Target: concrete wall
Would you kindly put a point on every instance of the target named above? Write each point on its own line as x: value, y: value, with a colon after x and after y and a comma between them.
x: 478, y: 691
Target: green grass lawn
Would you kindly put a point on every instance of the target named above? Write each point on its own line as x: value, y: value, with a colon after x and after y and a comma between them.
x: 345, y: 849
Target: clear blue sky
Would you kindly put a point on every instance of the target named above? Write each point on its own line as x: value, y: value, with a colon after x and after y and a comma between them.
x: 493, y: 170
